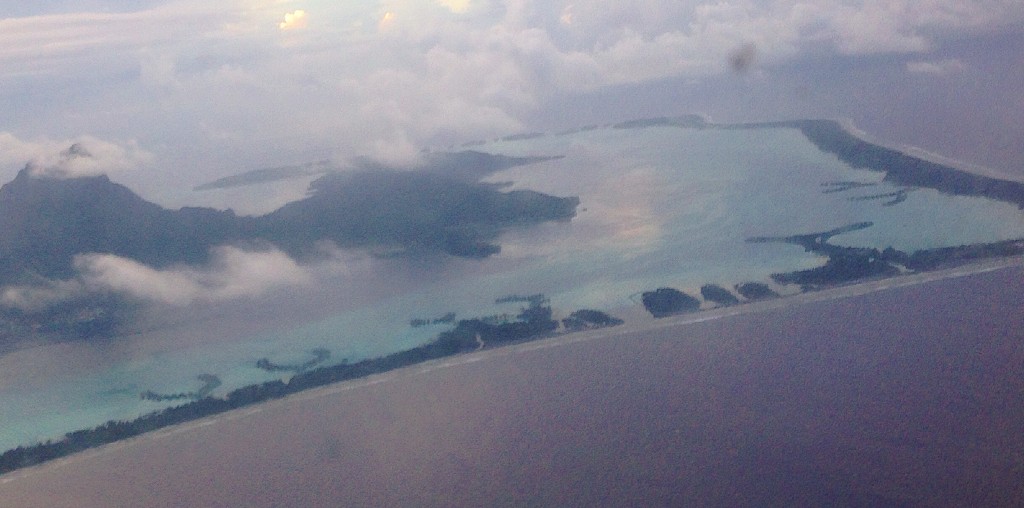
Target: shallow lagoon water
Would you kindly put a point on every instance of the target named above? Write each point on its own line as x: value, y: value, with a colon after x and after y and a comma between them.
x: 660, y: 206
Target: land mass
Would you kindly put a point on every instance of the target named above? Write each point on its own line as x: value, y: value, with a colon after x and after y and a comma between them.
x: 418, y: 211
x: 848, y: 399
x: 899, y: 168
x: 469, y: 165
x: 46, y: 222
x: 533, y: 321
x: 843, y: 265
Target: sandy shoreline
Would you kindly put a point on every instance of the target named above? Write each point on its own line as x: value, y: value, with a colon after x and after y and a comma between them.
x: 907, y: 395
x: 682, y: 320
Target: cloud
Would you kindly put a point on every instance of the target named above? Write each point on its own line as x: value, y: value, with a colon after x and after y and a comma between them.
x: 293, y: 20
x: 88, y: 156
x: 215, y: 88
x: 456, y: 6
x: 37, y: 297
x: 47, y: 44
x: 233, y: 273
x: 15, y: 153
x: 81, y: 156
x: 937, y: 68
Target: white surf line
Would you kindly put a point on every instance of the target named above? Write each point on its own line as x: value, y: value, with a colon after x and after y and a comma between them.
x: 832, y: 294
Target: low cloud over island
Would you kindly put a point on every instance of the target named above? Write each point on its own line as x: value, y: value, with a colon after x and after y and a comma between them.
x: 77, y: 242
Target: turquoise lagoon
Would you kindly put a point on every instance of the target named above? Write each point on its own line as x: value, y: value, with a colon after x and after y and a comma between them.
x: 659, y: 206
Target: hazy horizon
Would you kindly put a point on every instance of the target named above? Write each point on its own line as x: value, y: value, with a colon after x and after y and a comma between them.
x: 170, y: 94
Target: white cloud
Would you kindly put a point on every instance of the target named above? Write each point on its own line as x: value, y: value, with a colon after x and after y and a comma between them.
x: 81, y: 156
x: 36, y: 297
x: 233, y: 273
x: 293, y: 20
x: 15, y: 153
x: 937, y: 68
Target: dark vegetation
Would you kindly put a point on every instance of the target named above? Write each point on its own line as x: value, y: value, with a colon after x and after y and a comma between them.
x: 82, y: 317
x: 843, y: 186
x: 667, y: 301
x: 893, y: 198
x: 755, y: 291
x: 469, y: 164
x: 210, y: 383
x: 718, y: 294
x: 266, y: 175
x: 414, y: 211
x: 443, y: 320
x: 45, y: 222
x: 524, y: 136
x: 843, y: 265
x: 693, y: 121
x: 532, y: 322
x: 585, y: 319
x: 943, y: 257
x: 848, y: 264
x: 534, y: 300
x: 900, y: 168
x: 320, y: 356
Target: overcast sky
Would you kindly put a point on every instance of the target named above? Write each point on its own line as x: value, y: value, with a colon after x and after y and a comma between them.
x: 168, y: 94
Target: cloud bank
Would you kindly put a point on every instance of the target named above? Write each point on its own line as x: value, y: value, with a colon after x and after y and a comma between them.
x: 81, y: 156
x: 233, y: 273
x: 212, y: 88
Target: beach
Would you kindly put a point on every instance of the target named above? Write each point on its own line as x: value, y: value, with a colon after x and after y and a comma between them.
x: 902, y: 391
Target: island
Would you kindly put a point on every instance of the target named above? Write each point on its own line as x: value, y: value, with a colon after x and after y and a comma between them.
x: 718, y: 294
x: 843, y: 265
x: 45, y: 222
x: 755, y: 291
x: 533, y: 321
x: 445, y: 208
x: 210, y: 383
x: 320, y: 355
x: 899, y: 168
x: 585, y: 319
x: 668, y: 301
